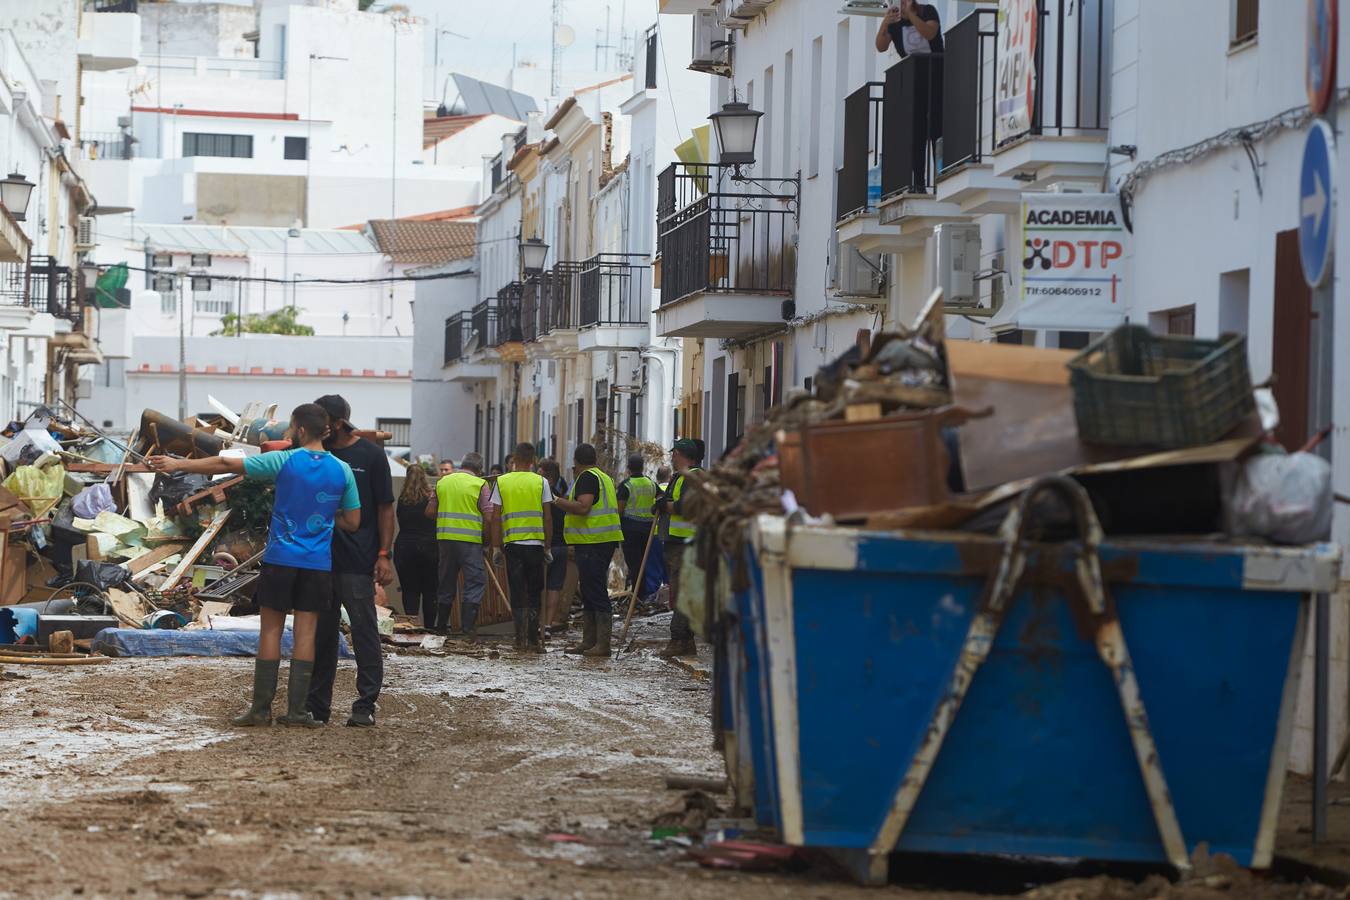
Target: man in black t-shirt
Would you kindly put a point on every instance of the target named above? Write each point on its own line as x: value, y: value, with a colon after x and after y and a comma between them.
x: 915, y: 29
x: 360, y: 559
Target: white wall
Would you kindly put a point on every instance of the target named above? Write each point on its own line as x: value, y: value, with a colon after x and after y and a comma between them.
x: 443, y: 421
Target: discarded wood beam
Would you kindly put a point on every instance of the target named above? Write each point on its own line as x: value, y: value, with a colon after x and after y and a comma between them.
x: 54, y: 660
x: 102, y: 468
x: 696, y: 783
x: 197, y: 549
x: 159, y: 554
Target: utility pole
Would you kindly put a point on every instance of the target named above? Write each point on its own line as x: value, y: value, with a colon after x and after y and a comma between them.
x: 181, y: 277
x: 555, y: 78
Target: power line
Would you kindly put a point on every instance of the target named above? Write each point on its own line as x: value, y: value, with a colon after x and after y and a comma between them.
x: 256, y: 279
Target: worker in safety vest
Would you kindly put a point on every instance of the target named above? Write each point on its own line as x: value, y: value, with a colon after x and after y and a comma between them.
x: 686, y: 456
x: 593, y: 533
x: 637, y: 513
x: 464, y: 513
x: 527, y: 531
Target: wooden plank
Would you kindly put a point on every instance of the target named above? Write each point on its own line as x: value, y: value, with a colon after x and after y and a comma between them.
x: 1009, y: 362
x: 862, y: 412
x: 101, y: 468
x: 159, y: 554
x: 197, y: 549
x: 91, y: 550
x: 214, y: 492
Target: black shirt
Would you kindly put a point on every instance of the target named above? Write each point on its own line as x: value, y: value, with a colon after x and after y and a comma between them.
x: 587, y: 483
x: 928, y: 13
x: 559, y: 517
x: 413, y: 524
x: 354, y: 552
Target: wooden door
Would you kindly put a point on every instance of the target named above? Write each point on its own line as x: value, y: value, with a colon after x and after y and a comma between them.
x: 1292, y: 342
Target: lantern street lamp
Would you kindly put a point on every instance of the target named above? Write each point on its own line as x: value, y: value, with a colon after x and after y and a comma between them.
x: 737, y: 127
x: 532, y: 255
x: 89, y: 273
x: 14, y: 193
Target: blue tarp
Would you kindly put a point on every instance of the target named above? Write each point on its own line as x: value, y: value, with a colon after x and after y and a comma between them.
x: 196, y: 642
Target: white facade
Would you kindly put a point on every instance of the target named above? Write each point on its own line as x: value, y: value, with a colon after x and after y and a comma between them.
x: 286, y: 138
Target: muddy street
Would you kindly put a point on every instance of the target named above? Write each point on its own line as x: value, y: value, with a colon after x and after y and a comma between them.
x: 489, y: 775
x: 505, y: 777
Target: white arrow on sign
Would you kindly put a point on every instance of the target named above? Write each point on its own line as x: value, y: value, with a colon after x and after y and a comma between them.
x: 1315, y: 206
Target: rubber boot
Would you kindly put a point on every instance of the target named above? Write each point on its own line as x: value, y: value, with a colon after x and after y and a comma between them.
x: 588, y: 620
x: 265, y: 672
x: 604, y: 628
x: 534, y: 640
x: 679, y: 647
x: 518, y: 619
x: 468, y: 620
x: 297, y: 692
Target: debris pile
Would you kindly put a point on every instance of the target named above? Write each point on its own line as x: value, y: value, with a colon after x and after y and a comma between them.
x: 98, y: 546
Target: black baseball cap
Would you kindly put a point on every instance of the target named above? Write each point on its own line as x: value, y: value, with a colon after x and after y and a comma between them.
x: 693, y: 448
x: 337, y: 407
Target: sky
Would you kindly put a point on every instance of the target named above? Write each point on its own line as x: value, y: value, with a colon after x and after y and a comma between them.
x: 496, y: 31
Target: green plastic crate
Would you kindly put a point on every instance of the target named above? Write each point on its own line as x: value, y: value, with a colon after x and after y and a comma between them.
x: 1132, y: 387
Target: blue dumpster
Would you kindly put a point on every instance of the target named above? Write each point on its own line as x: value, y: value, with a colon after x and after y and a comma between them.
x: 954, y: 693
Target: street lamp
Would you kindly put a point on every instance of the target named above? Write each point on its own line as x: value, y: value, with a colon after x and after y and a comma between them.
x: 532, y: 255
x: 14, y: 193
x: 737, y: 126
x: 89, y: 272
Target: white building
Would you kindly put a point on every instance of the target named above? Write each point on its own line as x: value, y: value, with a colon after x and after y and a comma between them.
x: 286, y: 113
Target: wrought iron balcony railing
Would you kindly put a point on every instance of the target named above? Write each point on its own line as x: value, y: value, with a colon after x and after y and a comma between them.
x: 721, y: 231
x: 862, y: 150
x: 1071, y: 78
x: 612, y: 288
x: 454, y: 339
x: 558, y: 298
x: 483, y: 322
x: 911, y: 123
x: 529, y: 308
x: 42, y: 285
x: 509, y: 308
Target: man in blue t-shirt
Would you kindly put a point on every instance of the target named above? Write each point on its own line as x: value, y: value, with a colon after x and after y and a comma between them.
x: 314, y: 492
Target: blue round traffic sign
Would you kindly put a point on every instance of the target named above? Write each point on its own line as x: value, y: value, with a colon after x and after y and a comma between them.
x: 1323, y: 24
x: 1317, y: 203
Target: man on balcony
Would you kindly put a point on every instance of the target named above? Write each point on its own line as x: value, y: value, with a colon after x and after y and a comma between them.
x: 916, y: 30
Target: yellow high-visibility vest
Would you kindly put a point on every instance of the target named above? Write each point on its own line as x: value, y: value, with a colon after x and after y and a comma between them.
x: 457, y: 515
x: 680, y: 527
x: 641, y: 499
x: 602, y: 525
x: 522, y: 506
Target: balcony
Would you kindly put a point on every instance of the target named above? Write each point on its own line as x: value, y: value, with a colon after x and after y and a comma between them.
x: 614, y: 304
x: 14, y: 244
x: 728, y: 251
x: 1058, y: 132
x: 36, y: 286
x: 858, y: 183
x: 558, y: 314
x: 969, y: 121
x: 508, y: 335
x: 912, y: 127
x: 459, y: 342
x: 110, y: 35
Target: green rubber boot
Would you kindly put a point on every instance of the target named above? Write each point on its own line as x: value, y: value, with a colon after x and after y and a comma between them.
x: 587, y: 633
x: 604, y: 629
x: 265, y: 673
x: 297, y: 692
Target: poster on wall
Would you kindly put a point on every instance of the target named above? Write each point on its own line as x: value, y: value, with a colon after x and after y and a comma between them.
x: 1015, y: 85
x: 1075, y: 262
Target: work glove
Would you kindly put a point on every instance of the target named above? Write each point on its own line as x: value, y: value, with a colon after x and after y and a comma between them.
x: 548, y: 556
x: 497, y: 557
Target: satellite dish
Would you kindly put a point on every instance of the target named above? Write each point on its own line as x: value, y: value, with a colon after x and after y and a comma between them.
x: 565, y: 36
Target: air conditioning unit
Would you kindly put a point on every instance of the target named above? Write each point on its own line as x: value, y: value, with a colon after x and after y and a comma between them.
x: 740, y: 13
x: 711, y: 47
x: 86, y: 232
x: 858, y: 277
x: 865, y: 7
x: 958, y: 262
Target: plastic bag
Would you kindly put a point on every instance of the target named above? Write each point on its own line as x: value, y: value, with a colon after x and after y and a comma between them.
x: 1284, y: 498
x: 93, y: 500
x: 175, y: 487
x: 31, y: 483
x: 102, y: 575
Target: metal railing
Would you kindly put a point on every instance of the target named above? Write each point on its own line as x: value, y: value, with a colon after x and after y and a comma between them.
x: 862, y: 149
x: 968, y: 112
x: 42, y: 285
x: 226, y: 66
x: 558, y: 297
x: 611, y: 287
x: 454, y: 339
x: 649, y: 58
x: 509, y: 301
x: 529, y: 308
x: 110, y: 6
x: 1070, y: 62
x: 483, y: 322
x: 722, y: 232
x: 106, y: 145
x: 911, y: 124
